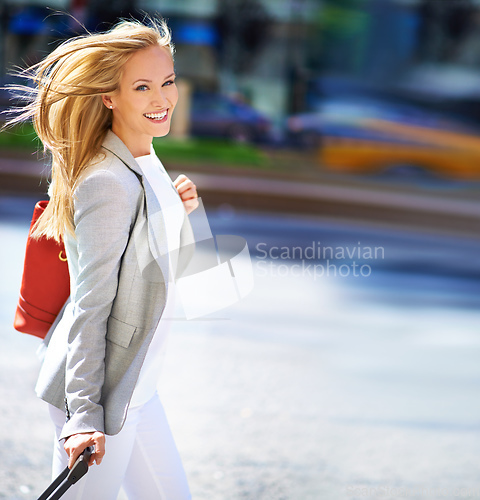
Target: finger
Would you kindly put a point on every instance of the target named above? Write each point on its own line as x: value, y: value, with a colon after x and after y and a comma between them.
x: 188, y: 198
x: 191, y: 203
x: 73, y: 456
x: 180, y: 179
x: 185, y: 186
x: 95, y: 458
x: 188, y: 194
x: 99, y: 448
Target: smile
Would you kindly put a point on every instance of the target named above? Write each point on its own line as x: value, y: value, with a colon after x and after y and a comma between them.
x: 157, y: 117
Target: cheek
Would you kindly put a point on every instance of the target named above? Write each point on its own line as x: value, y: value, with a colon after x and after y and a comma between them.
x: 135, y: 106
x: 174, y: 95
x: 126, y: 104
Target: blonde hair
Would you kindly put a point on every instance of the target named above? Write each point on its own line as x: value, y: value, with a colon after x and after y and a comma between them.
x: 67, y: 110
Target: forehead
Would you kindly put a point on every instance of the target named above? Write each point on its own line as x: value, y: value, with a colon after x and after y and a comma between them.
x: 151, y: 63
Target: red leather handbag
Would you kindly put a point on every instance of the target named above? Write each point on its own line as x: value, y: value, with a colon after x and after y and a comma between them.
x: 45, y: 282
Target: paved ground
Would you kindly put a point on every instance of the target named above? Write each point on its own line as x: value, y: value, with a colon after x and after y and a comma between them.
x: 308, y: 389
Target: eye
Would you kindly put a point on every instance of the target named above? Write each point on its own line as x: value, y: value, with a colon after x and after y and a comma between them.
x: 142, y: 88
x: 168, y: 82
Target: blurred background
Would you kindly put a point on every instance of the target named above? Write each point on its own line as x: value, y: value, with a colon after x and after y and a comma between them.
x: 340, y: 138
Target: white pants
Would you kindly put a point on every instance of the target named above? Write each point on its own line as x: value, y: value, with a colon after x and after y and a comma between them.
x: 142, y: 458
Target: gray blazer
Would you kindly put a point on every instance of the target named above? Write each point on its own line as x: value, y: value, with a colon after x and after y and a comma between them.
x: 119, y: 273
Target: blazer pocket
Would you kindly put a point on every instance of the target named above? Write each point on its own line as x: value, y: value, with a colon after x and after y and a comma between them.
x: 119, y: 333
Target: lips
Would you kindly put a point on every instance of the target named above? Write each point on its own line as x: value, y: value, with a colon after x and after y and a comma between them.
x: 157, y: 117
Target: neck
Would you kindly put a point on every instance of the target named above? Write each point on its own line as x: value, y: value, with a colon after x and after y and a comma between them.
x: 137, y: 145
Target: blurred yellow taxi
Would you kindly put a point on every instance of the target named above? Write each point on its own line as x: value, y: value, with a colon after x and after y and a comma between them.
x: 371, y: 137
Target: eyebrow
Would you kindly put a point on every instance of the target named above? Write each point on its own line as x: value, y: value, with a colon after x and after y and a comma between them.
x: 150, y: 81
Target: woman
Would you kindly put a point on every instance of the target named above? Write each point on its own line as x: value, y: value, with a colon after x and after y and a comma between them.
x: 100, y: 100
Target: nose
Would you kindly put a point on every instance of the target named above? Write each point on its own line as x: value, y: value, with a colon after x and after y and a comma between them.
x: 159, y: 99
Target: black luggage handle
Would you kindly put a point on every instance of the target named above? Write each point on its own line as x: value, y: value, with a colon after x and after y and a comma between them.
x: 68, y: 477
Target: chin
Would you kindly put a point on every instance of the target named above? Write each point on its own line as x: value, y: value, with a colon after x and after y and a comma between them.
x: 162, y: 133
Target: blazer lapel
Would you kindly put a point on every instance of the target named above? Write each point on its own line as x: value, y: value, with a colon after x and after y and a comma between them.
x: 157, y: 241
x: 115, y: 145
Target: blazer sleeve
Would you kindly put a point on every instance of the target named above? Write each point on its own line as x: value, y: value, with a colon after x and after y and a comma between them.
x: 104, y: 213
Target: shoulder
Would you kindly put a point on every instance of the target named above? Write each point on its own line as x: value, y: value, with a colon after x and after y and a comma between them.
x: 107, y: 184
x: 107, y: 176
x: 107, y: 168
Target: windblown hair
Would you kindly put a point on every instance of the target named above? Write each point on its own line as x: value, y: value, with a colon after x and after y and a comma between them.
x: 67, y: 111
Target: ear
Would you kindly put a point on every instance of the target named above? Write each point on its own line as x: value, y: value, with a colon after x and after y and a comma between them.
x: 107, y: 100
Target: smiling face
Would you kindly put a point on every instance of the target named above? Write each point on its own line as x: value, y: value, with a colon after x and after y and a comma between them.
x: 143, y: 106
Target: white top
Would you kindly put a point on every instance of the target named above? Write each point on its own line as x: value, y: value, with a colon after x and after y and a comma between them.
x: 174, y: 213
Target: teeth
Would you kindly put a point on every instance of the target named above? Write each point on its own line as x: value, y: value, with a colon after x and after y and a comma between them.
x: 156, y: 116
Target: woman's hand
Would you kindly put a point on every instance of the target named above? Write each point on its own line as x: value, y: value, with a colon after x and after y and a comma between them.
x: 187, y: 191
x: 76, y: 443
